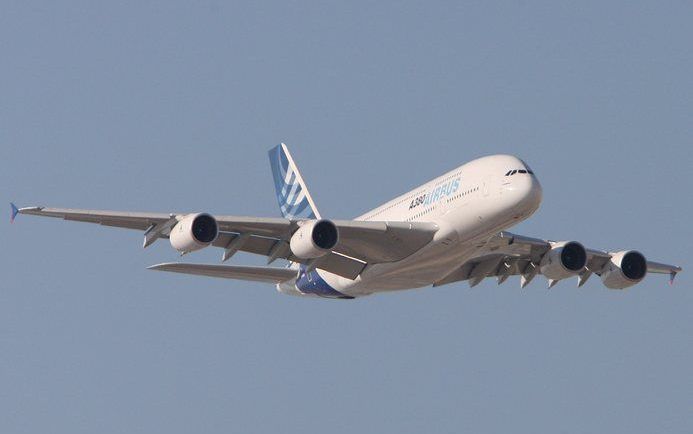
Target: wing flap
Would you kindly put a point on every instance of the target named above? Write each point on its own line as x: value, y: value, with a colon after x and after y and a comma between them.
x: 341, y: 265
x: 255, y: 274
x: 333, y: 262
x: 258, y: 245
x: 265, y: 226
x: 377, y: 242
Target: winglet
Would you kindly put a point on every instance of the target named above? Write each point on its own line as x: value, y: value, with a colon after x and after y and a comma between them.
x: 15, y: 211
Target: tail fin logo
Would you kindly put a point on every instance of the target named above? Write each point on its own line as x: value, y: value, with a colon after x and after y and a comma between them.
x: 292, y: 195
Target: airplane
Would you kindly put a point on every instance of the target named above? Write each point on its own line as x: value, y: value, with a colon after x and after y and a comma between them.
x: 450, y: 229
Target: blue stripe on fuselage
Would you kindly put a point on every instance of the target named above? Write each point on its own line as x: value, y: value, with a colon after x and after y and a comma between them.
x: 312, y: 283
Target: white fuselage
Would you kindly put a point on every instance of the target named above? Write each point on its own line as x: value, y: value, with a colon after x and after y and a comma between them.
x: 469, y: 204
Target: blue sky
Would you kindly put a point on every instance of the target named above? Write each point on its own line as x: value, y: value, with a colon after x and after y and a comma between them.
x: 171, y: 106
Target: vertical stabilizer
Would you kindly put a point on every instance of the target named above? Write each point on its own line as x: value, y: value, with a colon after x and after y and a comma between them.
x: 293, y: 197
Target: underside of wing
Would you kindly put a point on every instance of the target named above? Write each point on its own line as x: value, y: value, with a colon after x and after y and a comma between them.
x: 507, y: 254
x: 128, y: 220
x: 359, y: 242
x: 277, y: 248
x: 256, y: 274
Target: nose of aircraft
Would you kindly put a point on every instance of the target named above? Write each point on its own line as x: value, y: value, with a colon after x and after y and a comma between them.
x: 526, y: 190
x: 534, y: 191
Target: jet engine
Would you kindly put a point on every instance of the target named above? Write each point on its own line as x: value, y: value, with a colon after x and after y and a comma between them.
x: 194, y: 232
x: 314, y: 239
x: 624, y: 269
x: 565, y: 259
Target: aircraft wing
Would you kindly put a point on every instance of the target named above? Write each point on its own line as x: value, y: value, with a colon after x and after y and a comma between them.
x: 507, y: 254
x: 257, y: 274
x: 360, y: 242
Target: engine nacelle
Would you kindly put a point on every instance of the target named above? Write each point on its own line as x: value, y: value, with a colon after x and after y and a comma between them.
x: 314, y: 239
x: 626, y: 268
x: 565, y: 259
x: 194, y: 232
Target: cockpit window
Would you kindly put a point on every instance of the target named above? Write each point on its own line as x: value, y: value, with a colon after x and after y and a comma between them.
x: 513, y: 172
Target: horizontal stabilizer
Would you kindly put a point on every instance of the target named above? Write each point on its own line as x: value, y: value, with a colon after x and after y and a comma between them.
x: 256, y: 274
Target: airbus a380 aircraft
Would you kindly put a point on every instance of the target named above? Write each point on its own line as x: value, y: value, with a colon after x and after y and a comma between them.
x: 447, y: 230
